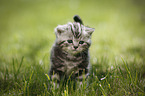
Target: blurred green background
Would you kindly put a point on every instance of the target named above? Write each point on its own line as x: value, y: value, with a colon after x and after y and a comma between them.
x: 27, y: 29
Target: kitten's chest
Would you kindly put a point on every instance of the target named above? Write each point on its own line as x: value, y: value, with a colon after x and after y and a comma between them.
x: 67, y: 63
x: 71, y: 64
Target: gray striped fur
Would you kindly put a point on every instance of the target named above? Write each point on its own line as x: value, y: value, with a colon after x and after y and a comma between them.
x: 70, y: 52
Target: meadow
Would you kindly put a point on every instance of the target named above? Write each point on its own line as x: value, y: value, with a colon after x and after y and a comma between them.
x: 117, y: 53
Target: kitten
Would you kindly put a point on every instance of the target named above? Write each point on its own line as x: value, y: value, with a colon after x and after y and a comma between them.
x: 70, y: 53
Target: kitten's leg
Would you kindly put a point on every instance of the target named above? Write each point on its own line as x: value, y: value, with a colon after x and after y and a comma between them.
x: 55, y: 79
x: 81, y: 78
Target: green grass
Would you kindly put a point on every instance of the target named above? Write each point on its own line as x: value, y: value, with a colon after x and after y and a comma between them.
x: 117, y: 51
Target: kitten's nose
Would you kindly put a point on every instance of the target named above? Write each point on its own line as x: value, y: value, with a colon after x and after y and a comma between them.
x: 75, y: 47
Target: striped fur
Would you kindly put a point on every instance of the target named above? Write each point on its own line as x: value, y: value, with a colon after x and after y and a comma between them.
x: 70, y: 53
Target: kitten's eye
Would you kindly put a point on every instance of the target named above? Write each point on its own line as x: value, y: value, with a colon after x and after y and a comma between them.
x: 69, y: 41
x: 81, y: 42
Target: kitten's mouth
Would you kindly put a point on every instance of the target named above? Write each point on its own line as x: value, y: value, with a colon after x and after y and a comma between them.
x: 75, y: 51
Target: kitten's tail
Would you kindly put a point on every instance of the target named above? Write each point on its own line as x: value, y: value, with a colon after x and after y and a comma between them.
x: 78, y: 19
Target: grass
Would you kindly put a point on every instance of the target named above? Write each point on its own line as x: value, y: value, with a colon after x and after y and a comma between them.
x: 117, y: 51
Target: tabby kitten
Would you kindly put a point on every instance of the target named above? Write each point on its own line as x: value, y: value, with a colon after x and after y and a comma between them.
x: 70, y: 53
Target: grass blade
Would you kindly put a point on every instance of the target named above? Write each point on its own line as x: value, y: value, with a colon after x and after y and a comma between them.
x: 20, y: 66
x: 14, y: 69
x: 102, y: 89
x: 47, y: 77
x: 127, y: 70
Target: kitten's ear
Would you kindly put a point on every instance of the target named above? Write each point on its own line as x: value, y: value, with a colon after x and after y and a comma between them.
x: 59, y: 29
x: 78, y: 19
x: 89, y: 30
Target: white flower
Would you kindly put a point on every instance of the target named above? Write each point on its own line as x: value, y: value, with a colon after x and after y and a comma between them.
x: 103, y: 78
x: 111, y: 67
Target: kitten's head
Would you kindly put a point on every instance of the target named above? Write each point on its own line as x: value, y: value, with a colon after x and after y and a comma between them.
x: 74, y: 37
